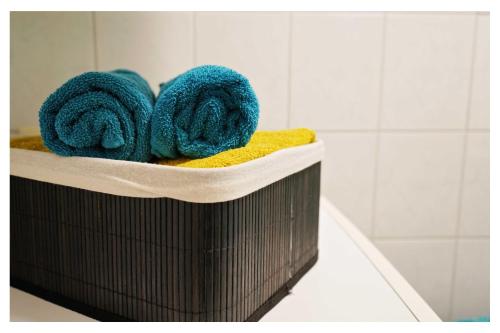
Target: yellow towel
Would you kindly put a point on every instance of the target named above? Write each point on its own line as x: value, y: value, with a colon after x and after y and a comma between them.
x: 29, y: 143
x: 261, y: 144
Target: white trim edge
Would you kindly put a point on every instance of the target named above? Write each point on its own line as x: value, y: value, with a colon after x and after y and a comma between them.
x: 415, y: 303
x: 133, y: 179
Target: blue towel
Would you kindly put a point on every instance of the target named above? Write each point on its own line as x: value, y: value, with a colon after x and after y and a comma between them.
x: 207, y: 110
x: 100, y: 114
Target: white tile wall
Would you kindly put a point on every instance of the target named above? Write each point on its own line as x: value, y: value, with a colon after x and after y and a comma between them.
x: 418, y: 184
x: 348, y: 175
x: 255, y: 44
x: 159, y: 46
x: 427, y: 70
x: 336, y: 78
x: 472, y: 285
x: 475, y: 208
x: 480, y: 99
x: 400, y: 99
x: 427, y: 265
x: 47, y: 49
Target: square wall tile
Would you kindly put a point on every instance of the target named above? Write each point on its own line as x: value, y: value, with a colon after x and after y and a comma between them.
x: 158, y: 45
x: 472, y: 280
x: 335, y: 72
x: 427, y: 70
x: 427, y: 265
x: 418, y: 184
x: 480, y: 95
x: 256, y: 45
x: 46, y: 50
x: 475, y: 209
x: 348, y: 173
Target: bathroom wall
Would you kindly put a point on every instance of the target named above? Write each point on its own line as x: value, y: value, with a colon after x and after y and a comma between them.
x: 401, y: 101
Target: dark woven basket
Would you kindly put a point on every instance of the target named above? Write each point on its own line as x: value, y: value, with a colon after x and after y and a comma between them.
x: 159, y: 259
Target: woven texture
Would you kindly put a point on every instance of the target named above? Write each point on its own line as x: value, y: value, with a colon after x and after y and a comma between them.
x: 114, y: 257
x: 207, y: 110
x: 100, y: 114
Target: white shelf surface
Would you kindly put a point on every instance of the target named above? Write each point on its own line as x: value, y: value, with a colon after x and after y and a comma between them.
x: 352, y: 281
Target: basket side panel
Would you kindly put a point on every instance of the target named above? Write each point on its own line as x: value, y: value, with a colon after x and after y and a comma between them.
x: 254, y: 245
x: 164, y: 259
x: 305, y: 216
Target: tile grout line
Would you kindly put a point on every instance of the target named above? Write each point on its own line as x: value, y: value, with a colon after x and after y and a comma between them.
x: 94, y: 36
x: 429, y: 238
x: 290, y: 38
x: 405, y: 131
x: 453, y: 12
x: 379, y: 121
x: 195, y: 38
x: 462, y: 170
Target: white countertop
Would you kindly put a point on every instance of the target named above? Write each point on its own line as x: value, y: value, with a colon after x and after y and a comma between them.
x: 351, y: 281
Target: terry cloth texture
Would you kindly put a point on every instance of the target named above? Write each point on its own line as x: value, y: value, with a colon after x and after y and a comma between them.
x: 206, y: 110
x: 261, y: 144
x: 100, y: 114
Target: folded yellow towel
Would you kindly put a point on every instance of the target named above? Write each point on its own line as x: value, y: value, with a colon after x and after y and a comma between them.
x: 261, y: 144
x: 29, y: 143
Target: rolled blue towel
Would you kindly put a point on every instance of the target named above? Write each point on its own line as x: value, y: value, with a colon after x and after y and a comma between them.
x: 100, y: 114
x: 207, y: 110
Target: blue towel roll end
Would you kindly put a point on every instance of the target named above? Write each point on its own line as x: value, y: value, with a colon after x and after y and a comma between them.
x: 207, y: 110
